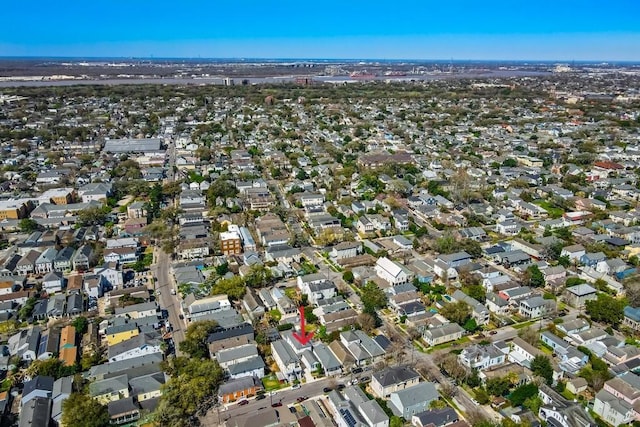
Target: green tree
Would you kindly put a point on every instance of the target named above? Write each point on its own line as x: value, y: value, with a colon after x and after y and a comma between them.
x: 195, y: 338
x: 523, y: 393
x: 372, y: 298
x: 234, y: 287
x: 80, y: 323
x: 498, y: 386
x: 347, y: 276
x: 536, y: 278
x: 28, y: 225
x: 481, y: 396
x: 477, y: 292
x: 309, y: 316
x: 457, y: 312
x: 52, y: 367
x: 606, y: 309
x: 541, y: 366
x: 93, y: 216
x: 80, y: 410
x: 193, y: 384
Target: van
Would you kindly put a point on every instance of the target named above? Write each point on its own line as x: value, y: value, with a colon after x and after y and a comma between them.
x: 173, y: 291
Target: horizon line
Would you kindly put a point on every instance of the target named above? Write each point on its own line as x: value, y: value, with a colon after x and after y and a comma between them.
x: 241, y: 58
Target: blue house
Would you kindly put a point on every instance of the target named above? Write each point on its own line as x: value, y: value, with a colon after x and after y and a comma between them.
x: 591, y: 259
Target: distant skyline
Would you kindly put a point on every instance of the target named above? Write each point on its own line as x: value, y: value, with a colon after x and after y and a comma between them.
x: 560, y: 30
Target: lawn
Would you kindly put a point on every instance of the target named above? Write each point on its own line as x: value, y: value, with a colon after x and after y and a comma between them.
x: 566, y: 393
x: 448, y: 344
x: 524, y: 324
x: 554, y: 212
x: 271, y: 383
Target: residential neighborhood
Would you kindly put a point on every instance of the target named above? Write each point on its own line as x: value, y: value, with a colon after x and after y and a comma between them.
x: 455, y: 252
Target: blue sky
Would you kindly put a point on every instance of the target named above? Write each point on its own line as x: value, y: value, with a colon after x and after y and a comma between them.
x: 502, y: 29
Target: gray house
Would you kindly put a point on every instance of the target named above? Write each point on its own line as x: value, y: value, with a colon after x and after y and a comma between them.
x: 413, y: 400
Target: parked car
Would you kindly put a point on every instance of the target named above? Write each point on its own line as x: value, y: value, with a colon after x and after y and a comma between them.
x: 243, y: 402
x: 493, y: 332
x: 340, y: 387
x: 356, y: 370
x: 260, y: 397
x: 292, y: 409
x: 365, y: 379
x: 295, y: 386
x: 327, y: 389
x: 276, y: 405
x: 301, y: 399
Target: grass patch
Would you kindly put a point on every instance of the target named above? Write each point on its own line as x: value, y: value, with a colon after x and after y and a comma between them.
x: 553, y: 210
x: 448, y: 344
x: 292, y: 293
x: 568, y: 395
x: 524, y: 324
x: 271, y: 383
x: 545, y: 348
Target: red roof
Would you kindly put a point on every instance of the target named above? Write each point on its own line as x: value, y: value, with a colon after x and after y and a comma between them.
x: 606, y: 164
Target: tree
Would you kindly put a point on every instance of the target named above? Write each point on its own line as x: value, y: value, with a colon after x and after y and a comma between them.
x: 529, y: 335
x: 52, y: 367
x: 96, y: 215
x: 191, y: 389
x: 523, y: 393
x: 481, y: 396
x: 471, y: 247
x: 309, y: 316
x: 632, y: 290
x: 372, y: 298
x: 498, y: 386
x: 367, y: 322
x: 536, y: 278
x: 476, y: 292
x: 80, y: 323
x: 28, y: 225
x: 80, y: 410
x: 606, y: 309
x: 347, y: 276
x: 195, y: 338
x: 457, y: 312
x: 470, y: 325
x: 234, y: 287
x: 541, y: 366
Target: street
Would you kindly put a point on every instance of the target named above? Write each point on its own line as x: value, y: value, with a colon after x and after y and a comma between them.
x: 169, y: 302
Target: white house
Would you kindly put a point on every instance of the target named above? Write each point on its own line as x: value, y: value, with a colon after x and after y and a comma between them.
x: 287, y: 360
x: 482, y: 356
x: 613, y: 410
x: 392, y: 272
x: 53, y: 281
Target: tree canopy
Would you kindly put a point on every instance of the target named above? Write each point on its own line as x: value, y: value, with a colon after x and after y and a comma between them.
x: 80, y: 410
x: 458, y: 312
x: 541, y: 366
x: 195, y: 338
x: 606, y: 309
x: 193, y: 384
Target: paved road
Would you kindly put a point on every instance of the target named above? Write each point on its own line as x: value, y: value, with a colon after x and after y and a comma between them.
x: 171, y: 303
x: 232, y: 412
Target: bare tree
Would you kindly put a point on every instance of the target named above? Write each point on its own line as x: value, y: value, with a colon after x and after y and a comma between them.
x: 366, y: 322
x: 529, y: 335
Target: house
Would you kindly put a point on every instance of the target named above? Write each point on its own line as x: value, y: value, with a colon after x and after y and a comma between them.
x: 239, y: 388
x: 352, y: 407
x: 139, y: 345
x: 362, y: 348
x: 559, y: 412
x: 632, y: 317
x: 578, y: 295
x: 591, y: 259
x: 62, y: 388
x: 230, y: 337
x: 442, y: 334
x: 36, y: 412
x: 482, y: 356
x: 574, y: 252
x: 138, y: 311
x: 62, y: 261
x: 413, y: 400
x: 44, y: 263
x: 625, y: 388
x: 241, y: 361
x: 53, y: 282
x: 573, y: 326
x: 435, y: 418
x: 110, y: 389
x: 392, y: 272
x: 497, y: 305
x: 196, y: 308
x: 82, y: 259
x: 27, y: 264
x: 577, y: 385
x: 287, y: 360
x: 25, y: 343
x: 613, y: 410
x: 345, y: 250
x: 393, y: 379
x: 478, y: 311
x: 328, y: 361
x: 121, y: 255
x: 123, y: 411
x: 39, y: 387
x: 147, y: 388
x: 535, y: 307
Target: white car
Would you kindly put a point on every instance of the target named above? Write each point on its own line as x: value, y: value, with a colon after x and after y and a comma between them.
x: 295, y: 386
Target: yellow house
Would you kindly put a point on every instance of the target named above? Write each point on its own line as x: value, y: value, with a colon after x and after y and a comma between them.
x: 110, y: 389
x: 122, y: 332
